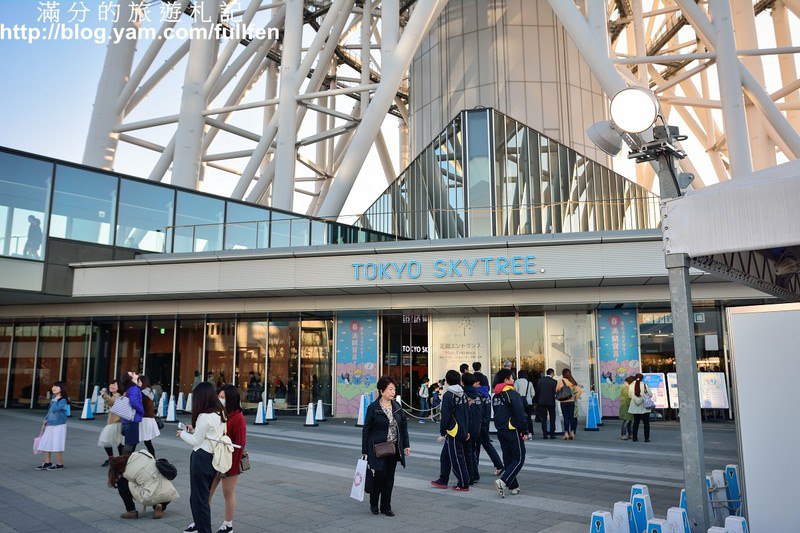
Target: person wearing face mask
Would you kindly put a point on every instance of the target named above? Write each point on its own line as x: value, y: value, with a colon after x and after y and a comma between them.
x: 237, y: 431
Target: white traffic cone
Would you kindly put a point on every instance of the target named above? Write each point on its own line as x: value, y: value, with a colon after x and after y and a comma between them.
x: 260, y: 415
x: 95, y: 394
x: 162, y: 406
x: 492, y: 427
x: 270, y: 414
x: 100, y: 406
x: 171, y: 414
x: 310, y: 420
x: 188, y: 407
x: 87, y: 413
x: 179, y: 406
x: 320, y: 416
x: 362, y: 411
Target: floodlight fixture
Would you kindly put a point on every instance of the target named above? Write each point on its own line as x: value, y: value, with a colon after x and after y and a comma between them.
x: 634, y: 110
x: 606, y: 137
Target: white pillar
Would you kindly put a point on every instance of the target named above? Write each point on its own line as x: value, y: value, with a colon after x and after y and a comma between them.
x: 418, y: 25
x: 783, y: 38
x: 189, y: 135
x: 101, y: 141
x: 761, y: 146
x: 390, y: 28
x: 366, y: 41
x: 730, y: 89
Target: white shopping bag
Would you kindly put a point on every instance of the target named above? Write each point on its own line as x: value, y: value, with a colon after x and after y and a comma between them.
x: 359, y: 480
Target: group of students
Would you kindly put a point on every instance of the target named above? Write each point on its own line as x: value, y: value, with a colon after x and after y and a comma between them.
x: 136, y: 475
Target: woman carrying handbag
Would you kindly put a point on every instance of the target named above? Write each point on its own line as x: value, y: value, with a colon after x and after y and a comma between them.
x: 384, y: 442
x: 640, y: 407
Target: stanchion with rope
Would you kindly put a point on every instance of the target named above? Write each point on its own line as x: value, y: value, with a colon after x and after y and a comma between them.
x: 430, y: 417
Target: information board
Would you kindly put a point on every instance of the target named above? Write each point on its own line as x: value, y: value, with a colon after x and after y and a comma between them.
x: 658, y: 388
x: 713, y: 390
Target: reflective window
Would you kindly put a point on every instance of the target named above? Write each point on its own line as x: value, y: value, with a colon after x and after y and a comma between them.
x: 318, y: 233
x: 251, y: 360
x: 145, y: 214
x: 76, y: 344
x: 189, y: 355
x: 479, y: 174
x: 503, y: 342
x: 247, y: 227
x: 6, y: 336
x: 24, y: 198
x: 48, y: 365
x: 531, y: 345
x: 103, y: 354
x: 316, y: 368
x: 282, y: 364
x: 198, y: 223
x: 83, y: 205
x: 220, y: 336
x: 20, y: 388
x: 158, y: 363
x: 131, y: 346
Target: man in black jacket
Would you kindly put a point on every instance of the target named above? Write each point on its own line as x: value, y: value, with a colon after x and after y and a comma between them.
x: 509, y: 420
x: 453, y: 430
x: 546, y: 398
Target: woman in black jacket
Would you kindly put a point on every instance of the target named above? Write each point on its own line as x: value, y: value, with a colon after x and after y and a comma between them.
x: 385, y: 422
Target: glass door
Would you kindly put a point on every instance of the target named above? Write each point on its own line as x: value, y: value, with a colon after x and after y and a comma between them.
x: 316, y: 363
x: 405, y: 353
x: 282, y: 365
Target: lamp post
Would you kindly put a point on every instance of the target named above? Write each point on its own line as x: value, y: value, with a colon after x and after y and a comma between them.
x: 635, y: 111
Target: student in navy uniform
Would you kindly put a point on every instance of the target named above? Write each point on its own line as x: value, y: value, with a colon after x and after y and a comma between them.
x: 454, y: 430
x: 546, y: 402
x: 474, y: 408
x: 483, y: 381
x: 486, y: 417
x: 509, y: 419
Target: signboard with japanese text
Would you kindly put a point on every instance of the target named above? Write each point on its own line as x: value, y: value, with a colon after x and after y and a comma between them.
x: 672, y: 382
x: 457, y: 340
x: 713, y: 390
x: 618, y: 354
x: 658, y: 388
x: 356, y: 360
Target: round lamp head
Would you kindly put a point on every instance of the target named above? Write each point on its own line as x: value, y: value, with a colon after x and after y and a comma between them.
x: 605, y: 137
x: 634, y: 109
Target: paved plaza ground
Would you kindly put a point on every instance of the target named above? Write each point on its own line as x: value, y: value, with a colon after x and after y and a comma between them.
x: 300, y: 481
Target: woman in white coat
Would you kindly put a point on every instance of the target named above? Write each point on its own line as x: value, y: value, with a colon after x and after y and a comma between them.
x: 638, y: 391
x: 137, y: 479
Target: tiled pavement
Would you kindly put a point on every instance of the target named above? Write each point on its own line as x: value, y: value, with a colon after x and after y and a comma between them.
x: 301, y: 477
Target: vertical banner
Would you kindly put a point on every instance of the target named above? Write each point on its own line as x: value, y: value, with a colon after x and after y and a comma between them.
x: 658, y: 387
x: 356, y: 360
x: 618, y: 353
x: 456, y: 340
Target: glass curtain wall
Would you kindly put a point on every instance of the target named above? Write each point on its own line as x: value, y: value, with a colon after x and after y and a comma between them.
x: 84, y: 205
x: 503, y: 342
x: 251, y: 360
x: 189, y: 355
x: 220, y: 337
x: 103, y: 354
x: 23, y: 362
x: 316, y: 370
x: 145, y: 214
x: 247, y: 227
x: 131, y: 346
x: 517, y: 182
x: 532, y: 346
x: 75, y: 369
x: 24, y: 204
x: 48, y: 365
x: 198, y: 223
x: 282, y: 370
x: 6, y: 339
x: 158, y: 363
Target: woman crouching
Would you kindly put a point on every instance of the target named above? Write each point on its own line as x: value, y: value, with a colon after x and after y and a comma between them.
x: 137, y: 479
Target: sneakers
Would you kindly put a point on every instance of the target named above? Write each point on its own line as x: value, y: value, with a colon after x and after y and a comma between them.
x: 158, y: 511
x: 226, y: 529
x: 498, y: 471
x: 191, y: 527
x: 44, y: 466
x: 459, y: 489
x: 105, y: 464
x: 515, y: 491
x: 438, y: 484
x: 130, y: 515
x: 530, y: 436
x: 501, y: 487
x: 55, y: 467
x: 421, y: 421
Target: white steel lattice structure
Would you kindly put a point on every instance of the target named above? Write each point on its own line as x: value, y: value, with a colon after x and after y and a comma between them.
x: 337, y: 71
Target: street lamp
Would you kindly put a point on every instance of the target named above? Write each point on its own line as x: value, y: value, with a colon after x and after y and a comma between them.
x: 635, y: 113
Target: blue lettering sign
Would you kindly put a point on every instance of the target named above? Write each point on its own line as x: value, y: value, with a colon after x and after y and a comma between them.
x: 470, y: 267
x: 411, y: 266
x: 530, y: 266
x: 516, y: 265
x: 502, y: 264
x: 438, y: 268
x: 400, y: 269
x: 454, y: 268
x: 357, y: 267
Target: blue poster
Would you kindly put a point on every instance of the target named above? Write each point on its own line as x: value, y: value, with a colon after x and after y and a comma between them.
x: 356, y: 360
x: 618, y: 353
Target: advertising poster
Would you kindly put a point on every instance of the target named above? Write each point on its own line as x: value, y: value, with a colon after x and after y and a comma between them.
x: 456, y: 340
x: 713, y: 390
x: 618, y: 353
x: 658, y: 388
x: 356, y: 360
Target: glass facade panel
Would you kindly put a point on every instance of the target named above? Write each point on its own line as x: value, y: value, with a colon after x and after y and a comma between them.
x: 158, y: 363
x: 76, y: 346
x: 189, y: 355
x: 23, y: 361
x: 103, y: 354
x: 6, y: 336
x: 145, y: 214
x: 48, y: 366
x: 531, y: 345
x: 251, y: 360
x: 246, y: 227
x: 131, y: 346
x: 84, y: 205
x: 479, y: 175
x: 503, y: 342
x: 287, y: 230
x: 316, y: 371
x: 24, y: 201
x: 220, y: 336
x: 282, y: 363
x: 198, y: 223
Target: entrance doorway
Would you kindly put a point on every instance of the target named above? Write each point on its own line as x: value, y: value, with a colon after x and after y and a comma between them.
x: 405, y: 354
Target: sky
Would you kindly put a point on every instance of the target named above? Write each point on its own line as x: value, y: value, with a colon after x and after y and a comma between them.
x: 49, y: 88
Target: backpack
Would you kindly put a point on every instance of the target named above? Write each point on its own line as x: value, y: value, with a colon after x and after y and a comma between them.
x: 423, y: 391
x: 222, y: 449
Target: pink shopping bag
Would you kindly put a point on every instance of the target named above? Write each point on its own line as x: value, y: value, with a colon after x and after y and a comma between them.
x: 36, y: 443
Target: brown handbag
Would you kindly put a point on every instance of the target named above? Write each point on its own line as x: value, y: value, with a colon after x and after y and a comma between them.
x: 385, y: 449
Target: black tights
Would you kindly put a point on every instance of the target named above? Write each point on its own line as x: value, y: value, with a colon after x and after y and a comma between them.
x: 110, y: 451
x: 149, y: 445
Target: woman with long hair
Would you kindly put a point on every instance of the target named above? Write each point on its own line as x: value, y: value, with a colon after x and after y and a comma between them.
x: 54, y: 428
x: 137, y: 479
x: 148, y: 429
x: 111, y: 435
x: 638, y: 392
x: 208, y: 425
x: 237, y: 431
x: 130, y: 428
x: 569, y: 406
x: 624, y: 404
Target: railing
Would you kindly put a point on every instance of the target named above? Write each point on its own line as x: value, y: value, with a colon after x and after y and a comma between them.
x: 14, y: 246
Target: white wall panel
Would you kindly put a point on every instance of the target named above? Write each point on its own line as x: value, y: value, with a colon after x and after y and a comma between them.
x: 469, y: 12
x: 21, y: 275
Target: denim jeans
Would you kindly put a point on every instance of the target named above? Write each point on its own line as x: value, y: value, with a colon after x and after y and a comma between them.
x: 424, y: 408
